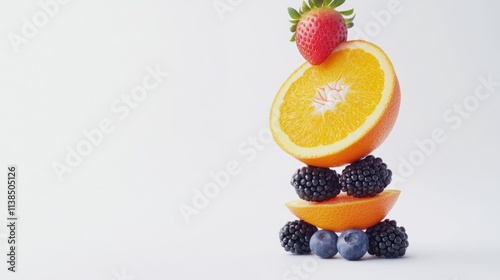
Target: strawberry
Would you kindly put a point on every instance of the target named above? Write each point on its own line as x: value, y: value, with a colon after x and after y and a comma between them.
x: 318, y: 28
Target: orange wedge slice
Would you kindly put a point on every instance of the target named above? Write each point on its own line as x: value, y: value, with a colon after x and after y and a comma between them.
x: 344, y: 212
x: 339, y: 111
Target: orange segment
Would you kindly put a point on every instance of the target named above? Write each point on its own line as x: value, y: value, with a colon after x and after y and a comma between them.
x: 337, y: 112
x: 344, y: 212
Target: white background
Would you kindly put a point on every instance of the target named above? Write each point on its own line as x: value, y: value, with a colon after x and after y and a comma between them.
x: 116, y: 215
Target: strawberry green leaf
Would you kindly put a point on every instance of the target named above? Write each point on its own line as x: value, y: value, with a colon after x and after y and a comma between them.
x: 337, y: 3
x: 294, y: 21
x: 318, y: 3
x: 311, y: 3
x: 305, y: 8
x: 350, y: 19
x: 293, y: 13
x: 347, y: 13
x: 293, y: 28
x: 293, y: 38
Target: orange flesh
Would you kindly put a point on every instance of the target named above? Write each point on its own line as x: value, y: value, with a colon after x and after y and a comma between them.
x: 365, y: 84
x: 344, y: 212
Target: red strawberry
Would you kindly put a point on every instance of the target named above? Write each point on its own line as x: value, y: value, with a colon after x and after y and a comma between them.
x: 318, y: 28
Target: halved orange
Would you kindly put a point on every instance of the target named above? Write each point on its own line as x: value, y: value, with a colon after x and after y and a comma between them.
x: 343, y: 212
x: 339, y: 111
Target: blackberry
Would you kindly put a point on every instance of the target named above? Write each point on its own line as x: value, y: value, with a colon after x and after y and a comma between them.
x: 315, y: 183
x: 386, y: 239
x: 295, y: 237
x: 365, y: 177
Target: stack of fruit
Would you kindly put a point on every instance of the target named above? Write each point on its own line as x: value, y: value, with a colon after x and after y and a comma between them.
x: 332, y: 111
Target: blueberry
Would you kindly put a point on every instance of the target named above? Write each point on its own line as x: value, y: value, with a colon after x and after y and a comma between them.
x: 323, y: 244
x: 352, y: 244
